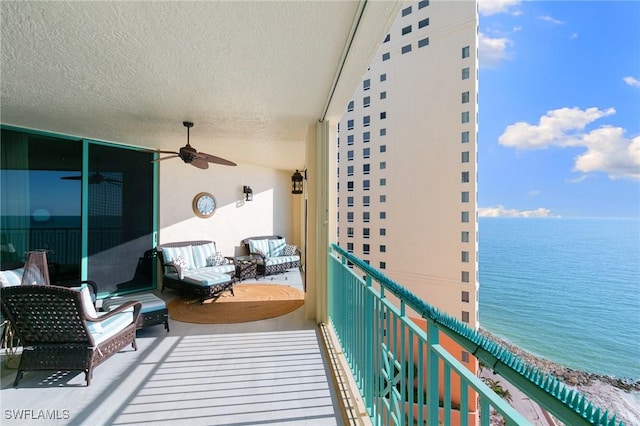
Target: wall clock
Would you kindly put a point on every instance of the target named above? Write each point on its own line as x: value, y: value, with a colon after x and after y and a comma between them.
x: 204, y: 205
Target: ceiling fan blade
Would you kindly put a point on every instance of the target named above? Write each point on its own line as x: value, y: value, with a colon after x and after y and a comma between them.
x: 217, y: 160
x: 200, y: 163
x: 165, y: 158
x: 160, y: 151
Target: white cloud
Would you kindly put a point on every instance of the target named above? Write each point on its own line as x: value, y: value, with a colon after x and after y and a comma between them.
x: 492, y: 7
x: 500, y: 211
x: 552, y: 20
x: 492, y: 51
x: 573, y: 36
x: 631, y: 81
x: 607, y: 148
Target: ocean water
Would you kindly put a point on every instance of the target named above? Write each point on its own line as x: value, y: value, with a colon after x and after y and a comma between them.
x: 566, y: 289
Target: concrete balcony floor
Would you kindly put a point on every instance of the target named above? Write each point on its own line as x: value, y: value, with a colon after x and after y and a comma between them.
x: 265, y: 372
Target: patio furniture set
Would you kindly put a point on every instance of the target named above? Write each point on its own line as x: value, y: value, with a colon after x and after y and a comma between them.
x: 60, y: 328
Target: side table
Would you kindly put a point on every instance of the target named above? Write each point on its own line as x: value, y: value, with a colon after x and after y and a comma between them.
x: 246, y: 266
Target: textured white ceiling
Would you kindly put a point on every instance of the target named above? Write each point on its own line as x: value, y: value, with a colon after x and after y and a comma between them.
x: 252, y: 76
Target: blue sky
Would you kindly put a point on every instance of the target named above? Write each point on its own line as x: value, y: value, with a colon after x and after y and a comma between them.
x: 559, y: 108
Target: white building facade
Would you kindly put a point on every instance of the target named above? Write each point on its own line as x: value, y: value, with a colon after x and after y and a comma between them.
x: 407, y: 158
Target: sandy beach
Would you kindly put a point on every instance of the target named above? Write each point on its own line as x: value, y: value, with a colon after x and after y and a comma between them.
x: 617, y: 395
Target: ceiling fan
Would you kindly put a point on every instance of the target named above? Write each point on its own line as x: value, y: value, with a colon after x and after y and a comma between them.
x: 189, y: 155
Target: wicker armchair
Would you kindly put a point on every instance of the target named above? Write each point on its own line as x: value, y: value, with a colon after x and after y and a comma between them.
x: 57, y: 333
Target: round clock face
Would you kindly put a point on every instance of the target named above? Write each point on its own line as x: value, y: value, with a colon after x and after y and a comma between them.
x: 204, y: 204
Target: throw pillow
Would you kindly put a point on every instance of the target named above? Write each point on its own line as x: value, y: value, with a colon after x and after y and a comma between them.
x: 216, y: 259
x: 181, y: 264
x: 290, y: 250
x: 89, y: 308
x: 260, y: 253
x: 276, y: 247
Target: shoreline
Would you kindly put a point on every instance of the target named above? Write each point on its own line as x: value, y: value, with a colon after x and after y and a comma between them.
x: 620, y: 396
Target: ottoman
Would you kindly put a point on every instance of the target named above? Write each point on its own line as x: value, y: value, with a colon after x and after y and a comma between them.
x: 154, y: 309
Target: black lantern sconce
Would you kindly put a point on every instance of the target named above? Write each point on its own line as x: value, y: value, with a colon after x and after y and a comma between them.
x: 248, y: 193
x: 296, y: 180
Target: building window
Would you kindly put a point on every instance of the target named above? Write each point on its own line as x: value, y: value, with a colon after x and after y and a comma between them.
x: 366, y: 200
x: 406, y: 11
x: 464, y: 356
x: 349, y: 139
x: 366, y: 152
x: 464, y: 217
x: 423, y: 3
x: 365, y: 232
x: 366, y: 136
x: 465, y: 117
x: 383, y: 249
x: 383, y: 215
x: 465, y: 156
x: 464, y: 237
x: 350, y: 231
x: 383, y: 181
x: 350, y: 106
x: 350, y: 201
x: 349, y: 124
x: 383, y: 132
x: 464, y: 277
x: 349, y: 216
x: 383, y: 115
x: 423, y: 42
x: 350, y: 155
x: 365, y: 248
x: 406, y: 49
x: 366, y: 120
x: 383, y: 148
x: 466, y: 52
x: 366, y: 184
x: 383, y: 232
x: 465, y: 97
x: 386, y: 56
x: 465, y: 137
x: 366, y: 101
x: 383, y: 198
x: 366, y: 168
x: 464, y: 257
x: 366, y: 85
x: 465, y: 73
x: 406, y: 30
x: 383, y: 265
x: 350, y: 247
x: 465, y: 196
x: 383, y: 95
x: 387, y: 38
x: 383, y: 165
x: 383, y: 77
x: 465, y: 296
x: 349, y: 170
x: 423, y: 23
x: 465, y: 177
x: 465, y: 316
x: 350, y: 185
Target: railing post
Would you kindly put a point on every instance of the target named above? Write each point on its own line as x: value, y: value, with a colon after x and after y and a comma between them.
x: 433, y: 378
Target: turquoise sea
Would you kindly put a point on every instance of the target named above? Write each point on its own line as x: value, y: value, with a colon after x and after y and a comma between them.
x: 566, y: 289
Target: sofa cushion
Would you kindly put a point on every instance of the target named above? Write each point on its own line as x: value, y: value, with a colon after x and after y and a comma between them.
x: 259, y: 245
x: 170, y: 253
x: 201, y: 253
x: 11, y: 277
x: 150, y: 302
x: 88, y: 307
x: 276, y: 247
x: 205, y: 277
x: 281, y: 259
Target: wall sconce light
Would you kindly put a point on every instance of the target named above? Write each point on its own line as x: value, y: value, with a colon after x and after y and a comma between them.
x: 296, y: 180
x: 248, y: 193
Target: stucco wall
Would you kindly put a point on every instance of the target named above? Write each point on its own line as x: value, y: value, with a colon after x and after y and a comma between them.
x: 271, y: 212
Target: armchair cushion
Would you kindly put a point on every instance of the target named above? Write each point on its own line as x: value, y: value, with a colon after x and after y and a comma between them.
x: 11, y: 277
x: 201, y: 254
x: 185, y: 252
x: 276, y: 247
x: 260, y: 247
x: 109, y: 327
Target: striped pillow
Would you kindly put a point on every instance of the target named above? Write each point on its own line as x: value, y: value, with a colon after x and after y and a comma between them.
x: 276, y: 247
x: 201, y: 253
x: 170, y: 253
x: 259, y: 245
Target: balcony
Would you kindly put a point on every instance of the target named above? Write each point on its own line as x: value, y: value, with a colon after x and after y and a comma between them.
x: 370, y: 364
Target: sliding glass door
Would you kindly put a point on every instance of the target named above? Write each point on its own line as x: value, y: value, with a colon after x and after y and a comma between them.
x: 89, y: 204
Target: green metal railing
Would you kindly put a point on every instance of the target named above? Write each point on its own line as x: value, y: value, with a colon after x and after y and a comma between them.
x: 404, y: 373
